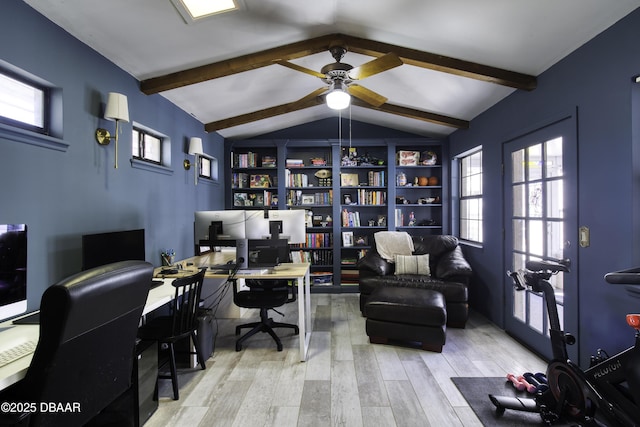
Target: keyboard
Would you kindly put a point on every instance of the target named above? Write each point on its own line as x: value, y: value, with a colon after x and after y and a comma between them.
x: 14, y: 353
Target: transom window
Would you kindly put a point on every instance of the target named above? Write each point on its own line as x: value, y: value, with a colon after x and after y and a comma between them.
x: 470, y: 225
x: 22, y: 103
x: 145, y: 146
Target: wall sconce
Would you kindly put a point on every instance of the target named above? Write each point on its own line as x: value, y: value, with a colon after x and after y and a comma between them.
x: 117, y: 110
x: 195, y: 149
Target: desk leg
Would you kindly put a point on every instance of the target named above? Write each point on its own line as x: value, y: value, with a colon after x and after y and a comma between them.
x: 304, y: 314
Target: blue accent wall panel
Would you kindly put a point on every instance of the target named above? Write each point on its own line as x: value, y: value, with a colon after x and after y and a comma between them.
x: 595, y: 84
x: 62, y: 194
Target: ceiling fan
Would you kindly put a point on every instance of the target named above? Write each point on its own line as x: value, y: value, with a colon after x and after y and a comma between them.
x: 341, y: 76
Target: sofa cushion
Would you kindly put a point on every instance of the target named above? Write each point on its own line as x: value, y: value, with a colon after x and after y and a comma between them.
x: 412, y: 264
x: 434, y: 245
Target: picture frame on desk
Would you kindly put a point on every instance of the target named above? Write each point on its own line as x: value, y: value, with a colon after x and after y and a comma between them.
x: 347, y: 238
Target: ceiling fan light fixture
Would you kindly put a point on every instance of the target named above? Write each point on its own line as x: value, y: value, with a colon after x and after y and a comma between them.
x: 338, y: 98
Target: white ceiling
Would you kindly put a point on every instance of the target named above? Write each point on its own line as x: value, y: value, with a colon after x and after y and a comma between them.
x: 149, y: 38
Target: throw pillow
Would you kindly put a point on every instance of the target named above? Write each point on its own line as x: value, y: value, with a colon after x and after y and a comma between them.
x: 412, y: 264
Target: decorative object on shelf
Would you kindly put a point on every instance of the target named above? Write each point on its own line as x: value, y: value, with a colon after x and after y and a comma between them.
x: 426, y: 200
x: 372, y: 222
x: 382, y: 221
x: 349, y: 179
x: 308, y: 199
x: 408, y: 158
x: 324, y: 177
x: 116, y: 110
x: 433, y: 181
x: 412, y: 219
x: 429, y: 158
x: 423, y: 181
x: 317, y: 161
x: 260, y: 181
x: 400, y: 200
x: 361, y: 241
x: 347, y: 238
x: 346, y: 199
x: 401, y: 179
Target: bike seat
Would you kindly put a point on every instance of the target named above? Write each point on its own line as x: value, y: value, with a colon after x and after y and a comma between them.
x: 624, y: 277
x: 551, y: 266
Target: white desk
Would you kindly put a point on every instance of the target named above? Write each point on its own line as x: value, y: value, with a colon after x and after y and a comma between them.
x: 287, y: 271
x: 11, y: 335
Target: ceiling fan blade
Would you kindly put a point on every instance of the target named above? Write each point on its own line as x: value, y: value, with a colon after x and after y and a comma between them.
x: 367, y: 95
x: 378, y: 65
x: 299, y: 68
x: 307, y: 101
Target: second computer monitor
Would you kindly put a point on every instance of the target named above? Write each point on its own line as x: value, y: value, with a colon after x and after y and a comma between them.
x: 292, y: 223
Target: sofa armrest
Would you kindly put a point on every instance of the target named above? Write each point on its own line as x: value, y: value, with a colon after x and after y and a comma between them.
x: 374, y: 263
x: 453, y: 263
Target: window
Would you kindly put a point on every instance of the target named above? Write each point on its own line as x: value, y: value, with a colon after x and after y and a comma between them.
x: 145, y: 146
x: 23, y: 103
x: 470, y: 196
x: 205, y: 167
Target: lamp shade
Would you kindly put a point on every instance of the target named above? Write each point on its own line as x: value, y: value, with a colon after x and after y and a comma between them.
x: 338, y: 98
x: 195, y: 146
x: 117, y: 107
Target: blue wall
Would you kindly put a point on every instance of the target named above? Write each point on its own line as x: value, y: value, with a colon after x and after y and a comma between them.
x: 64, y: 194
x: 595, y: 82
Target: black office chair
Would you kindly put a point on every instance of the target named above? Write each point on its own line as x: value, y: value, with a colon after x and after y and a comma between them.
x: 265, y: 295
x: 85, y: 353
x: 179, y: 325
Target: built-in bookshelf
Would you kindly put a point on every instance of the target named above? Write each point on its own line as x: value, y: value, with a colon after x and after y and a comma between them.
x: 348, y: 191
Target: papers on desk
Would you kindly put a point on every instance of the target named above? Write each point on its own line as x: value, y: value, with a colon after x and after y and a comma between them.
x: 252, y: 271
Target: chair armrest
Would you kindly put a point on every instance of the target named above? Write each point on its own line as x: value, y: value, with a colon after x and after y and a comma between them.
x: 374, y: 263
x: 453, y: 263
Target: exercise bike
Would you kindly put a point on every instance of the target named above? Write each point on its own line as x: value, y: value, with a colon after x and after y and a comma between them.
x: 608, y: 392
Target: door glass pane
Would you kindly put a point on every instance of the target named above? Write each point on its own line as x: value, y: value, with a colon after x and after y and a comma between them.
x: 553, y: 155
x: 555, y: 199
x: 517, y: 161
x: 536, y: 312
x: 536, y: 238
x: 555, y: 239
x: 535, y: 199
x: 519, y: 200
x: 534, y: 162
x: 519, y: 236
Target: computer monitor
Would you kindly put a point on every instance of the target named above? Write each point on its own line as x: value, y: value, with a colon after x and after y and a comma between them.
x: 13, y: 270
x: 229, y: 226
x: 291, y: 224
x: 104, y: 248
x: 267, y: 252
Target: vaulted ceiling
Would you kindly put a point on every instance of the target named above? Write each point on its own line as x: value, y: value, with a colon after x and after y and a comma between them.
x: 256, y: 70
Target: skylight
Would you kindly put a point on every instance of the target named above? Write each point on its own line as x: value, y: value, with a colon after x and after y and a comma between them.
x: 194, y: 10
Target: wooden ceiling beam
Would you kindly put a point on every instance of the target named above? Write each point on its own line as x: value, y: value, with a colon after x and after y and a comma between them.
x: 354, y: 44
x: 412, y: 113
x: 308, y: 101
x: 443, y: 63
x: 236, y: 65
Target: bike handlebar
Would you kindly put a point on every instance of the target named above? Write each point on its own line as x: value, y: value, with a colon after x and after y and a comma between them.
x: 624, y: 277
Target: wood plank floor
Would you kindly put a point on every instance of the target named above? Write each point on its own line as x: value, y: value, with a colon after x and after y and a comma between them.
x: 346, y: 381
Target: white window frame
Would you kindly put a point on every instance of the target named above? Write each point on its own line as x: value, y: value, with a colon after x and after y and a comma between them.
x: 469, y: 196
x: 24, y: 103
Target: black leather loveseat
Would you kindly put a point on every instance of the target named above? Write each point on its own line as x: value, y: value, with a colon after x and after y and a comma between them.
x: 449, y: 274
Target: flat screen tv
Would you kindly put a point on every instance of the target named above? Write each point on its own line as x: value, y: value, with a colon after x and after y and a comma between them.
x: 13, y: 270
x: 106, y: 248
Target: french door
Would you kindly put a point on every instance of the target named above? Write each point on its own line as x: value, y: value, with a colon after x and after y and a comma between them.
x: 541, y: 223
